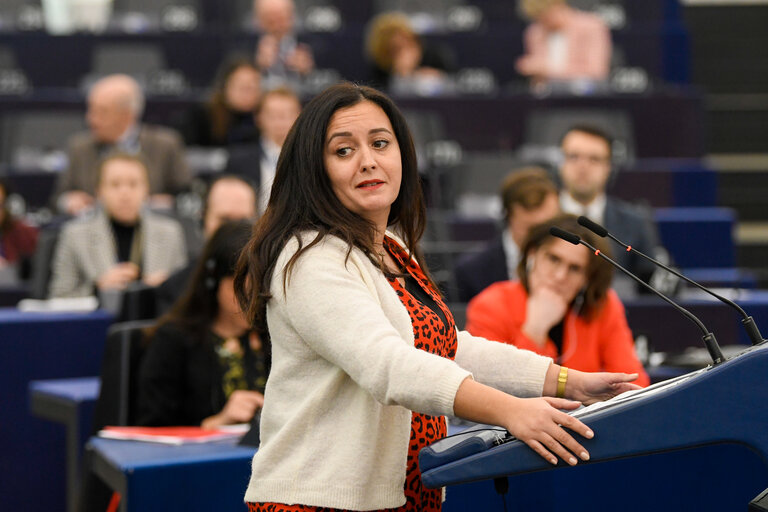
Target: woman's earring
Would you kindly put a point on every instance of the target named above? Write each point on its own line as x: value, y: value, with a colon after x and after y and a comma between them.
x: 529, y: 265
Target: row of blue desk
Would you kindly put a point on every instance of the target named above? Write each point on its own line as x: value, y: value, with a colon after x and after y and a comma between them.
x: 38, y: 346
x: 35, y: 348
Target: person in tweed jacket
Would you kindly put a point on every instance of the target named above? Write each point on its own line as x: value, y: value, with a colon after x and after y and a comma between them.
x: 122, y: 241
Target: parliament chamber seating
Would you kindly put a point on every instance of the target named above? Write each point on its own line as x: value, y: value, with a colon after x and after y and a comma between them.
x: 467, y: 141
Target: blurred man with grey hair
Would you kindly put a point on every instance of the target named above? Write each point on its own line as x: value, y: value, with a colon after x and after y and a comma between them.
x: 115, y: 106
x: 280, y: 56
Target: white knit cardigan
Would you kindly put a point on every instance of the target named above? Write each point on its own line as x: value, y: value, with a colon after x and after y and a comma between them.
x: 345, y: 377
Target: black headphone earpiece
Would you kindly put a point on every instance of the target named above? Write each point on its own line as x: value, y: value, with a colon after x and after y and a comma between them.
x: 578, y: 301
x: 211, y: 283
x: 529, y: 264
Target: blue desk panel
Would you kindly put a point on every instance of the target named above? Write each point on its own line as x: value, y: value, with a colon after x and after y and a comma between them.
x: 698, y: 237
x: 69, y: 402
x: 669, y: 331
x: 628, y: 485
x: 35, y: 346
x: 191, y: 477
x: 668, y: 182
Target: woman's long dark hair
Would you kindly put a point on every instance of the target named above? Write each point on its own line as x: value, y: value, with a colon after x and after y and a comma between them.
x: 220, y: 112
x: 195, y: 311
x: 302, y: 199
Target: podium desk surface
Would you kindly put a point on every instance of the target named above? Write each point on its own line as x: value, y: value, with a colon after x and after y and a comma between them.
x: 672, y: 440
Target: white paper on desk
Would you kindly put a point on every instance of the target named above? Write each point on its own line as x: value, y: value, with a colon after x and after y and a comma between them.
x: 76, y: 304
x: 636, y: 393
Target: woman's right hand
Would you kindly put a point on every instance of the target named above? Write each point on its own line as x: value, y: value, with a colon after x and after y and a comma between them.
x: 240, y: 408
x: 539, y: 423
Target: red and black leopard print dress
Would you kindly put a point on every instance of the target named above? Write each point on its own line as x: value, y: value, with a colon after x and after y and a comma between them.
x: 436, y: 333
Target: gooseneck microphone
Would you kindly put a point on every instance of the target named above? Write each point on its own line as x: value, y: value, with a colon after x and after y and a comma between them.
x: 709, y: 339
x: 747, y: 321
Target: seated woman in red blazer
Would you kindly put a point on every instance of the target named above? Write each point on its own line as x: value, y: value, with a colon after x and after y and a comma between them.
x: 562, y: 307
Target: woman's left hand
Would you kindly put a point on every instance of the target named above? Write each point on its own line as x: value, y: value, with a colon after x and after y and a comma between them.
x: 589, y: 388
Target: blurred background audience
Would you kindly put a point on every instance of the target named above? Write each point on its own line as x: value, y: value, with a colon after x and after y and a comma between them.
x: 584, y: 172
x: 18, y: 240
x: 528, y: 197
x: 115, y: 106
x: 629, y: 110
x: 121, y: 242
x: 227, y: 117
x: 229, y: 198
x: 280, y: 56
x: 562, y: 306
x: 204, y: 365
x: 563, y: 44
x: 274, y: 115
x: 401, y: 60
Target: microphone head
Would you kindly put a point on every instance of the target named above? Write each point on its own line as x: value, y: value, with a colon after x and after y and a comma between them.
x: 565, y: 235
x: 593, y: 226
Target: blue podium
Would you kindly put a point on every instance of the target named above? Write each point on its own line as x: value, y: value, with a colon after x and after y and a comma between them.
x: 696, y: 442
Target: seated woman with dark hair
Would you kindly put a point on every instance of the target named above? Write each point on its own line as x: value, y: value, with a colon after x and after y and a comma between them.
x: 562, y: 307
x: 226, y: 118
x: 204, y: 365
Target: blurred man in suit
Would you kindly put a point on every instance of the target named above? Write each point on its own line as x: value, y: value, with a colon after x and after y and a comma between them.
x: 529, y: 197
x: 275, y: 114
x: 115, y: 106
x: 229, y: 198
x: 585, y: 171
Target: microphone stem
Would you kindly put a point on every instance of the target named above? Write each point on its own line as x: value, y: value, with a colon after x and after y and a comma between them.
x: 672, y: 303
x: 709, y: 339
x: 749, y: 324
x: 713, y: 348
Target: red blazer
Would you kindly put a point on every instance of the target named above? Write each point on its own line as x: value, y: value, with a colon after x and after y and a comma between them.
x: 601, y: 343
x: 19, y: 241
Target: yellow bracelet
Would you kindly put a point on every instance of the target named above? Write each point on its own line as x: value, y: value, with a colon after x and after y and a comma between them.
x: 561, y: 380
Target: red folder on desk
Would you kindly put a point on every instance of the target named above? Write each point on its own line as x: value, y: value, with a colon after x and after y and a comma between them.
x: 173, y: 435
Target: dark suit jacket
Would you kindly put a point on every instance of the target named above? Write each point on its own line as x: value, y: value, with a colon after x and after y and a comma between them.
x: 245, y: 161
x: 195, y: 127
x: 160, y: 147
x: 633, y: 225
x: 475, y: 272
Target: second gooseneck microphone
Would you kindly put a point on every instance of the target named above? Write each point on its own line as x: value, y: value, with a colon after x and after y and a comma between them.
x: 709, y: 339
x: 749, y: 323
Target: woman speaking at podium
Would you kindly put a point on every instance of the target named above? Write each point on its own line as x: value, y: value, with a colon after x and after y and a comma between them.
x: 366, y: 358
